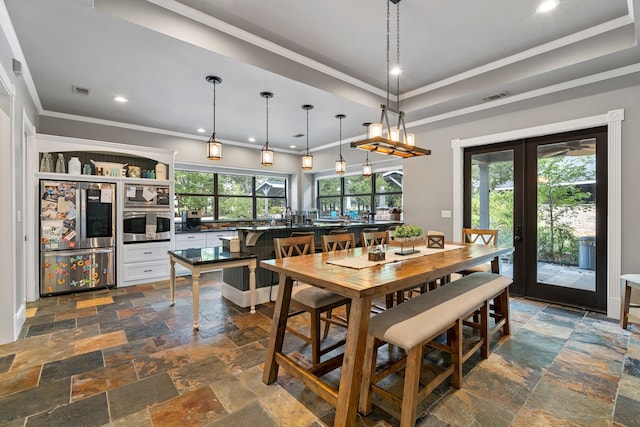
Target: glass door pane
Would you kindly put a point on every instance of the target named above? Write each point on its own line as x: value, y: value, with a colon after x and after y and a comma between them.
x: 566, y: 214
x: 492, y: 198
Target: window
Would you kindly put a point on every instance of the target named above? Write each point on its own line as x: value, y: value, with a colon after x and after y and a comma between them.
x: 357, y: 195
x: 270, y: 196
x: 228, y: 196
x: 194, y: 190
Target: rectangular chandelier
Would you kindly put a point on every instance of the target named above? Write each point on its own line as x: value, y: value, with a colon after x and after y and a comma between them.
x: 389, y: 147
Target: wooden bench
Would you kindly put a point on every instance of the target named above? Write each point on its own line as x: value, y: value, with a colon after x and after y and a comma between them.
x: 417, y: 322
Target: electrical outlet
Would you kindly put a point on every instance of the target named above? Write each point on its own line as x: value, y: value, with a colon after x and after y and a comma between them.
x: 446, y: 214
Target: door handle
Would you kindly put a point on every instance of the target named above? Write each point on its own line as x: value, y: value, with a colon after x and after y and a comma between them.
x: 517, y: 233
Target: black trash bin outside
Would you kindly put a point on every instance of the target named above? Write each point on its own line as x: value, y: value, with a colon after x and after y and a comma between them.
x: 587, y: 252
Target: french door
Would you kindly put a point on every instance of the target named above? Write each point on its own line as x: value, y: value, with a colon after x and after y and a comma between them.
x: 547, y: 198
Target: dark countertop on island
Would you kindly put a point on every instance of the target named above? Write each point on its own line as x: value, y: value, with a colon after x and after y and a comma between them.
x: 318, y: 224
x: 258, y: 240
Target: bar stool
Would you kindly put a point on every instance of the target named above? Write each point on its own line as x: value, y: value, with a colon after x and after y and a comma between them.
x: 630, y: 281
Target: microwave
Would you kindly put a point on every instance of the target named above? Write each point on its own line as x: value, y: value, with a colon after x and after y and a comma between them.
x: 148, y: 196
x: 146, y: 226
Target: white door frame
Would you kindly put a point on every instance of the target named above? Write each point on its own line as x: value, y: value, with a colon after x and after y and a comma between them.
x: 613, y: 120
x: 30, y: 249
x: 11, y: 316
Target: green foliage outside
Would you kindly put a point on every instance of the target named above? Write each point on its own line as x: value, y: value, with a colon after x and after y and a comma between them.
x: 559, y: 200
x: 199, y: 183
x: 195, y: 190
x: 358, y: 191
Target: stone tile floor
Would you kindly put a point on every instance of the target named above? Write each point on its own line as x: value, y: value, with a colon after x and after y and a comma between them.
x: 123, y: 357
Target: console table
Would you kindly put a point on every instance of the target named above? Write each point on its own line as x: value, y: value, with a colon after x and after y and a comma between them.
x: 207, y: 259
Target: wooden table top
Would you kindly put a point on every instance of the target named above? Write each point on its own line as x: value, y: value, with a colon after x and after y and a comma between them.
x: 380, y: 280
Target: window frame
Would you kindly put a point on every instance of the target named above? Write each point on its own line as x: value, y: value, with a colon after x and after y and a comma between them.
x: 342, y: 196
x: 216, y: 195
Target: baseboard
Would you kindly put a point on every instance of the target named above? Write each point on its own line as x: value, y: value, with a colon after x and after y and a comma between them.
x: 21, y: 317
x: 243, y: 298
x: 613, y: 308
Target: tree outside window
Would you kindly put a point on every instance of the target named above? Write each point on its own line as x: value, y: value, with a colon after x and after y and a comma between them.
x: 358, y: 195
x: 234, y: 197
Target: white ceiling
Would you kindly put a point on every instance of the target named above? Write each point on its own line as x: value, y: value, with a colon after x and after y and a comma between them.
x: 328, y: 53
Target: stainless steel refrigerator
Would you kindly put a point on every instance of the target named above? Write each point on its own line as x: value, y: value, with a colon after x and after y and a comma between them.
x: 77, y: 236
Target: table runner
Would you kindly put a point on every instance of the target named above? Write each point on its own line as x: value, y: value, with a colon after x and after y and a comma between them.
x: 362, y: 261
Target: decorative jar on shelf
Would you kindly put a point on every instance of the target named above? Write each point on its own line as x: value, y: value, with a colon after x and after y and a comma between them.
x: 60, y: 164
x: 46, y: 164
x: 161, y: 171
x: 75, y: 167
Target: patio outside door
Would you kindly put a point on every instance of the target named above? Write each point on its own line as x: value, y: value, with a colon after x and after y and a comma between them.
x: 547, y: 198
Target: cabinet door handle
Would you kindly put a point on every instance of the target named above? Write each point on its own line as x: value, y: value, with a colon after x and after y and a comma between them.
x: 148, y: 253
x: 191, y: 237
x: 147, y: 271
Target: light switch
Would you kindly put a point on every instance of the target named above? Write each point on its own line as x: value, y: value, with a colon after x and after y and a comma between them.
x: 446, y: 214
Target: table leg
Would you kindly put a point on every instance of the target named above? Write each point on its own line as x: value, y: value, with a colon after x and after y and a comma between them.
x: 172, y: 281
x: 495, y: 265
x: 195, y: 281
x: 278, y: 327
x: 252, y: 285
x: 351, y: 375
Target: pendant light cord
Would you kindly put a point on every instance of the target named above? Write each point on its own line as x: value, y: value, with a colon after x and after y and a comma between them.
x: 398, y: 55
x: 267, y: 140
x: 214, y: 108
x: 340, y: 138
x: 307, y: 131
x: 388, y: 47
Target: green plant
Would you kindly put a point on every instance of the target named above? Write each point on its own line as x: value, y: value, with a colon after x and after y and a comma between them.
x: 408, y: 231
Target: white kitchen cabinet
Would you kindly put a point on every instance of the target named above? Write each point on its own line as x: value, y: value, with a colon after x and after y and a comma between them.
x: 191, y: 240
x: 213, y: 237
x: 144, y: 262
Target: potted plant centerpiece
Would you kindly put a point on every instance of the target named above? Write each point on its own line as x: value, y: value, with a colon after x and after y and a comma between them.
x: 405, y: 233
x: 407, y: 236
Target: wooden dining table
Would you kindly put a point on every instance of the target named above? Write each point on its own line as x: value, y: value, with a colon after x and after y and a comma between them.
x: 362, y: 285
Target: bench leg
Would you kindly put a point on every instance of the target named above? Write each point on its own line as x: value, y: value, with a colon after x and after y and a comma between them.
x: 504, y: 311
x: 626, y: 303
x: 411, y: 385
x: 484, y: 329
x: 455, y: 339
x: 368, y: 372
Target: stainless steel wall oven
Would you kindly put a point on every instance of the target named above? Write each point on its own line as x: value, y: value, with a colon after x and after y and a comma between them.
x: 146, y: 225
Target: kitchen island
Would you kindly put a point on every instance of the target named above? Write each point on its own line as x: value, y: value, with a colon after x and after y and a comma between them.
x: 258, y: 240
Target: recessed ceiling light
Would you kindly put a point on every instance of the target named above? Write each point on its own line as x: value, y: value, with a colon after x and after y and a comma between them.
x: 120, y: 99
x: 292, y: 146
x: 396, y: 70
x: 200, y: 130
x: 547, y: 6
x: 252, y: 139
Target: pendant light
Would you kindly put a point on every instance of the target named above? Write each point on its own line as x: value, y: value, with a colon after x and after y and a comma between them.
x: 398, y: 142
x: 214, y: 148
x: 367, y: 167
x: 341, y: 165
x: 307, y: 158
x: 266, y: 155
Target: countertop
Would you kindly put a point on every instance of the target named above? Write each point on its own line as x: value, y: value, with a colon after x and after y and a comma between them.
x: 320, y: 224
